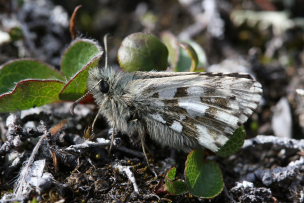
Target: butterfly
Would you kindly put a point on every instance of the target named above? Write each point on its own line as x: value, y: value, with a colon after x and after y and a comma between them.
x: 183, y: 110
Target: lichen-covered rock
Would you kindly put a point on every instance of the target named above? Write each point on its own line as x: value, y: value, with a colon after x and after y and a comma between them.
x: 246, y: 192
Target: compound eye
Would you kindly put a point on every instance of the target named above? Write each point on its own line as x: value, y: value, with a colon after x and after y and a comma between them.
x: 104, y: 86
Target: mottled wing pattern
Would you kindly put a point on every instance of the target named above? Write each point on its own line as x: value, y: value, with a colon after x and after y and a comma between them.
x: 207, y: 106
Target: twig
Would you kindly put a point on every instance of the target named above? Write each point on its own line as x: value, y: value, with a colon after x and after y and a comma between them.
x: 152, y: 195
x: 55, y: 129
x: 130, y: 151
x: 86, y: 144
x: 129, y: 174
x: 279, y: 141
x: 72, y: 22
x: 22, y: 184
x: 2, y: 127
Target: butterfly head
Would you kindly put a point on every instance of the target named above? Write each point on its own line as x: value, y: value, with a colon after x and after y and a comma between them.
x: 98, y: 83
x: 104, y: 86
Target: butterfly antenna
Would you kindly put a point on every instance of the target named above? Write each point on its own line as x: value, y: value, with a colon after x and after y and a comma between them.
x: 81, y: 98
x: 76, y: 102
x: 105, y: 43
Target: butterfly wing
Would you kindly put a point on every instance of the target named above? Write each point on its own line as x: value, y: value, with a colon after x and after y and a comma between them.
x: 208, y: 107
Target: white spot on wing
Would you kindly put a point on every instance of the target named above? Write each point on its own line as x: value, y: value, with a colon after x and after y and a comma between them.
x: 167, y: 93
x: 177, y: 126
x: 205, y: 139
x: 243, y: 118
x: 193, y: 106
x: 221, y: 139
x: 159, y: 103
x: 195, y: 91
x: 208, y: 140
x: 182, y: 117
x: 248, y: 111
x: 226, y: 118
x: 158, y: 118
x: 249, y: 105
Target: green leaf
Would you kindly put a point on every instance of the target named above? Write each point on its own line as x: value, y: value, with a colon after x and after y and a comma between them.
x: 203, y: 177
x: 80, y: 53
x: 142, y: 52
x: 185, y: 59
x: 172, y: 44
x: 191, y: 52
x: 30, y: 93
x: 173, y: 186
x: 16, y: 33
x: 17, y: 70
x: 171, y: 174
x: 176, y: 187
x: 34, y: 201
x: 254, y: 126
x: 234, y: 143
x: 77, y: 86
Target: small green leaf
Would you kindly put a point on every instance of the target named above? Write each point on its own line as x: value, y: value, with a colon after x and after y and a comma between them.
x: 203, y: 177
x: 234, y: 144
x: 34, y: 201
x: 191, y: 52
x: 171, y: 174
x: 254, y: 126
x: 77, y: 86
x: 80, y: 53
x: 17, y: 70
x: 176, y: 187
x: 173, y: 186
x: 142, y: 52
x: 186, y: 60
x: 16, y: 33
x: 171, y: 43
x: 30, y: 93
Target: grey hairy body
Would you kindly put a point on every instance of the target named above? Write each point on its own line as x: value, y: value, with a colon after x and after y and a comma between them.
x: 126, y: 110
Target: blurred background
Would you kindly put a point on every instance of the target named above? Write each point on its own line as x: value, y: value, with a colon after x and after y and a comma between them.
x: 261, y: 37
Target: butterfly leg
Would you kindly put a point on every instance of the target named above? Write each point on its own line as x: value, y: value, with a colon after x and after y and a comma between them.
x: 94, y: 121
x: 113, y: 132
x: 143, y: 146
x: 133, y: 119
x: 112, y: 140
x: 142, y: 139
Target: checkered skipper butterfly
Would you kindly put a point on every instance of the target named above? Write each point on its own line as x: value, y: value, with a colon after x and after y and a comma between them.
x: 184, y: 110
